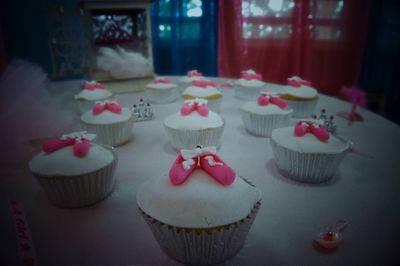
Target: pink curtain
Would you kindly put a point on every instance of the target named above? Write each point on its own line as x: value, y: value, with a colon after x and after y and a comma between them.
x: 318, y: 40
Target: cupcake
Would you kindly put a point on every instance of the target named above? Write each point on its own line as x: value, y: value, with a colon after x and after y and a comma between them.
x: 201, y: 211
x: 112, y: 123
x: 73, y: 171
x: 92, y: 92
x: 195, y: 124
x: 300, y: 96
x: 267, y: 113
x: 190, y: 76
x: 204, y: 89
x: 249, y: 86
x: 161, y: 90
x: 307, y: 153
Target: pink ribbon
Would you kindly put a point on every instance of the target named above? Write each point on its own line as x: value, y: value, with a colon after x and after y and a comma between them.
x: 188, y: 160
x: 249, y: 75
x: 265, y: 99
x: 79, y: 140
x: 303, y: 127
x: 203, y: 83
x: 194, y: 73
x: 100, y: 107
x: 93, y: 85
x: 161, y: 81
x: 198, y: 105
x: 297, y: 82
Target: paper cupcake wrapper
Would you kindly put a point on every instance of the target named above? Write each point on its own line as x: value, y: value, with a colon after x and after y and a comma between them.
x: 247, y: 93
x: 306, y: 167
x: 189, y: 139
x: 86, y: 105
x: 112, y: 134
x: 162, y: 95
x: 79, y: 190
x: 262, y: 125
x: 302, y: 108
x: 201, y: 246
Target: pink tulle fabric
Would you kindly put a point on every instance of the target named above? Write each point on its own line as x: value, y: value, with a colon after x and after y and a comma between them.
x: 29, y: 113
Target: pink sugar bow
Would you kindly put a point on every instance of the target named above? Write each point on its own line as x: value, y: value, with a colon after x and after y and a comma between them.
x: 79, y: 140
x: 188, y: 160
x: 265, y: 99
x: 93, y: 85
x: 198, y: 105
x: 250, y: 74
x: 203, y: 83
x: 161, y: 81
x: 100, y: 107
x: 303, y: 127
x: 194, y: 73
x: 297, y: 82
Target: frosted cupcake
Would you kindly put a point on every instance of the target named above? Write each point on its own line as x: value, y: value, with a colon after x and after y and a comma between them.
x: 92, y: 92
x: 187, y: 80
x: 112, y: 123
x: 161, y: 90
x: 300, y: 96
x: 73, y: 171
x: 307, y: 152
x: 204, y: 89
x: 201, y: 211
x: 249, y: 86
x: 194, y: 125
x: 264, y: 115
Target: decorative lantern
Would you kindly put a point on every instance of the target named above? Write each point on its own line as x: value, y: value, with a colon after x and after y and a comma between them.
x: 119, y: 37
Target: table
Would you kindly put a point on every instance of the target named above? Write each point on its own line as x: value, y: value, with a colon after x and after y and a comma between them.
x: 365, y: 191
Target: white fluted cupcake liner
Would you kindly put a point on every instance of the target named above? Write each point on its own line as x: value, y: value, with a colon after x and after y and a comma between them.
x: 202, y: 246
x: 114, y: 134
x: 86, y: 105
x: 162, y: 95
x: 302, y: 109
x: 247, y: 93
x: 262, y: 125
x: 79, y: 190
x: 306, y: 167
x: 189, y: 139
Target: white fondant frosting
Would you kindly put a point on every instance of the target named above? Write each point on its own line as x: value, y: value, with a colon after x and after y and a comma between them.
x: 201, y: 92
x: 64, y: 162
x: 193, y: 121
x: 200, y: 202
x: 307, y: 143
x: 250, y: 83
x: 301, y: 92
x: 161, y: 86
x: 255, y: 108
x: 106, y: 117
x: 93, y: 95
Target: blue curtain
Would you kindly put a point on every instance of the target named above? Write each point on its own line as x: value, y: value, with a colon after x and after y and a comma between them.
x: 381, y: 69
x: 184, y: 36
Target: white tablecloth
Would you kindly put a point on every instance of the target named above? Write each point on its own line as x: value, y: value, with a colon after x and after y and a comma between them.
x: 365, y: 191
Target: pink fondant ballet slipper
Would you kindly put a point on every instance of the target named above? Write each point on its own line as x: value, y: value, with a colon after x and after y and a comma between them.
x: 179, y: 171
x: 263, y: 99
x: 114, y: 107
x: 98, y: 108
x: 281, y: 103
x: 320, y: 132
x: 300, y: 129
x: 81, y: 147
x: 186, y: 109
x: 202, y: 110
x: 53, y: 145
x: 218, y: 169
